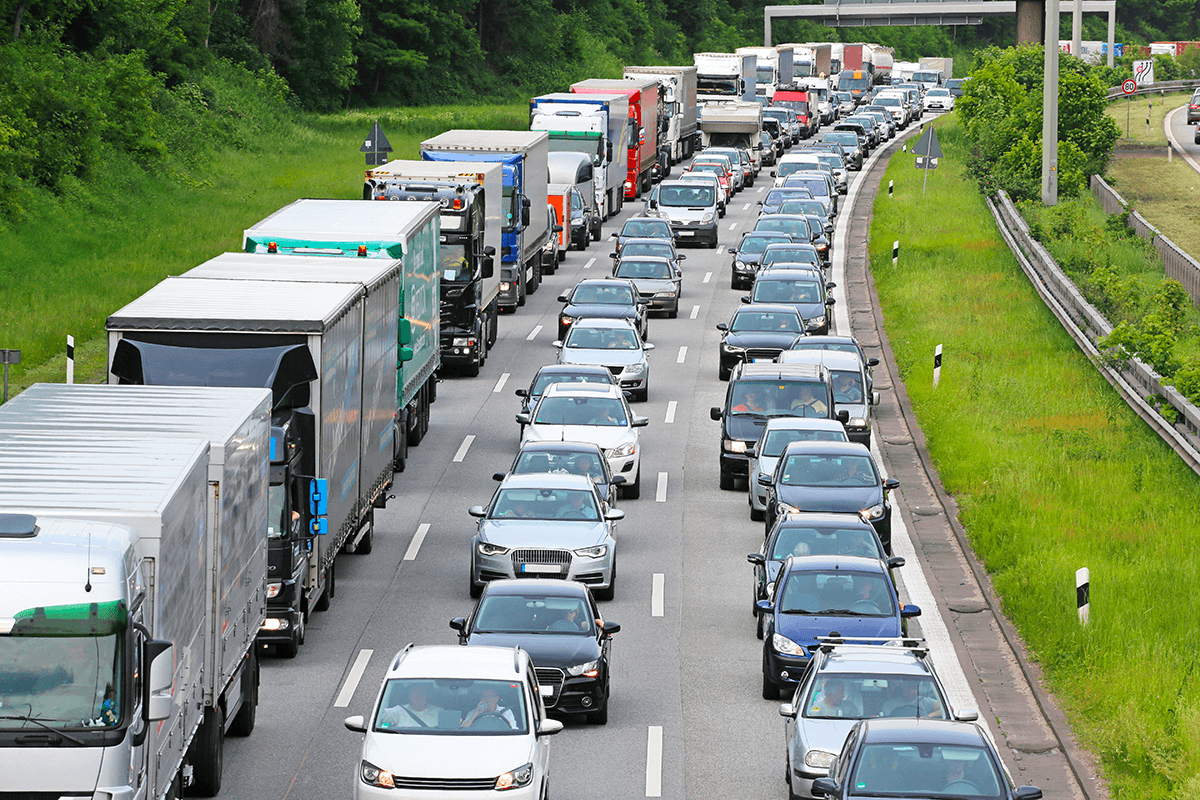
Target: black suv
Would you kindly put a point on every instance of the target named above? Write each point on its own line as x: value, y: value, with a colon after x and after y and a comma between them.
x: 756, y: 393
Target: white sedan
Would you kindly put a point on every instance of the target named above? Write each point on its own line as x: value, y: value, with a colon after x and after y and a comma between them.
x: 939, y: 100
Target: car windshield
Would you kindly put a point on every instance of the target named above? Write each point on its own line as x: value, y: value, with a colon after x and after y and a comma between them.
x: 858, y: 696
x: 601, y: 411
x: 753, y: 245
x: 764, y: 321
x: 777, y: 196
x: 841, y: 347
x: 563, y: 504
x: 558, y: 462
x: 451, y: 707
x: 888, y: 101
x: 837, y: 593
x: 584, y: 338
x: 815, y: 226
x: 545, y: 379
x: 817, y: 186
x: 792, y: 227
x: 455, y: 266
x: 536, y: 614
x: 790, y: 255
x: 833, y: 160
x: 786, y: 291
x: 794, y: 540
x: 847, y: 387
x: 774, y: 398
x: 848, y: 138
x: 851, y: 471
x: 802, y: 205
x: 683, y: 196
x: 602, y: 295
x: 658, y: 249
x: 938, y: 93
x: 777, y: 441
x: 788, y: 167
x: 655, y: 228
x: 715, y: 169
x: 644, y: 269
x: 919, y: 769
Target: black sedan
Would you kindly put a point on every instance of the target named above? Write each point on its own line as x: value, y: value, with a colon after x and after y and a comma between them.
x: 900, y: 758
x: 830, y: 476
x: 661, y: 248
x: 749, y: 253
x: 757, y: 332
x: 802, y: 289
x: 559, y: 625
x: 602, y: 298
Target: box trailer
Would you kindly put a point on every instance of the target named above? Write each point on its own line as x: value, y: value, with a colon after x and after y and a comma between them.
x: 682, y: 125
x: 596, y: 125
x: 643, y: 122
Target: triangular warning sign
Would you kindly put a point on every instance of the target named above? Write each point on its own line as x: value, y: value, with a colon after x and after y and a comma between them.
x: 377, y: 142
x: 927, y: 145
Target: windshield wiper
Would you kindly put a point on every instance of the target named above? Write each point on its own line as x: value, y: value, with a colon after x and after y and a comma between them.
x: 838, y: 612
x: 35, y: 721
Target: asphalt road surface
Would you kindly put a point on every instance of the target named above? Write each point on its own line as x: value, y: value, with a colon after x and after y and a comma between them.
x: 687, y: 718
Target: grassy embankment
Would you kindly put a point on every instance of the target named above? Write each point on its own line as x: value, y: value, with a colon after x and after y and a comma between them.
x: 70, y: 264
x: 1052, y: 472
x: 1130, y: 116
x: 1166, y: 194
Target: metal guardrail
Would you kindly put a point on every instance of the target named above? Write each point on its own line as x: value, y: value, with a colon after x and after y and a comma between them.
x: 1159, y: 87
x: 1135, y: 381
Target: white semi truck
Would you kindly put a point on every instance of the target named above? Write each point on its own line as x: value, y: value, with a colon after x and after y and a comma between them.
x: 725, y: 77
x: 774, y: 67
x: 133, y: 582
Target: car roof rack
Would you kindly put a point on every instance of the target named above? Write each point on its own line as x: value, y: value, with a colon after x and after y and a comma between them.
x: 917, y: 646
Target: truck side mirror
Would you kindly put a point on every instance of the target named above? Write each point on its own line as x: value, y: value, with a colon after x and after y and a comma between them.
x: 489, y: 266
x: 405, y: 333
x: 524, y: 212
x: 158, y: 656
x: 406, y: 354
x: 318, y: 505
x: 608, y: 151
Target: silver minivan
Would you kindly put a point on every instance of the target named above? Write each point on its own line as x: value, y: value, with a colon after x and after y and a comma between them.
x: 691, y: 207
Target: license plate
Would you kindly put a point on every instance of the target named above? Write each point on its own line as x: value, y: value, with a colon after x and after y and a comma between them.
x: 542, y: 569
x: 687, y: 233
x: 546, y: 691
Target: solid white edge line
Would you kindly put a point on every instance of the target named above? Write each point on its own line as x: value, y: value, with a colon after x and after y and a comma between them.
x: 657, y: 590
x: 695, y: 312
x: 352, y: 679
x: 500, y: 383
x: 671, y: 406
x: 533, y: 333
x: 707, y: 277
x: 415, y: 545
x: 462, y: 448
x: 682, y: 354
x: 660, y: 495
x: 589, y: 263
x: 654, y: 753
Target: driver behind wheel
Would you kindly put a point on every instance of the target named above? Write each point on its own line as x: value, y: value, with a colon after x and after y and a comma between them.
x: 489, y: 705
x: 833, y: 702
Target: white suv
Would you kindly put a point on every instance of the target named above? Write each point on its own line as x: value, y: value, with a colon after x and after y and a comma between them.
x: 591, y: 412
x: 456, y: 722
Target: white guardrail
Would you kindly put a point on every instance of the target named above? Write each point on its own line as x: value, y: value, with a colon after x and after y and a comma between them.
x: 1158, y: 87
x: 1135, y: 381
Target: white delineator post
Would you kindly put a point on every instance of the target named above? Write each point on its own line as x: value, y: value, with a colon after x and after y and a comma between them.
x: 890, y: 189
x: 1083, y: 593
x: 895, y: 252
x: 937, y: 365
x: 70, y: 359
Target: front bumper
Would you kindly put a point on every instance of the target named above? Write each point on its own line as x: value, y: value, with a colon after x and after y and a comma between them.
x: 278, y: 625
x: 575, y: 694
x: 622, y: 465
x: 735, y: 464
x: 459, y: 348
x: 694, y: 232
x: 784, y: 670
x: 364, y: 792
x: 595, y: 572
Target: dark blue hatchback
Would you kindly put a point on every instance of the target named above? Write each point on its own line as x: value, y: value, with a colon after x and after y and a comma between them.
x: 816, y: 596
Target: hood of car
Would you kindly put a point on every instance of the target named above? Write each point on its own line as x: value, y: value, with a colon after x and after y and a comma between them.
x: 608, y: 358
x: 604, y: 311
x: 606, y: 437
x: 849, y: 499
x: 854, y: 409
x: 415, y: 755
x: 546, y: 649
x: 685, y: 213
x: 823, y: 734
x: 646, y: 285
x: 544, y: 533
x: 766, y: 339
x: 746, y: 427
x: 765, y: 464
x: 803, y: 629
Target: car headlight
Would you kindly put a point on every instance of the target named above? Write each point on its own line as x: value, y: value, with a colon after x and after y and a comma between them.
x: 488, y: 549
x: 782, y: 509
x: 857, y: 422
x: 565, y: 320
x: 665, y: 295
x: 819, y: 759
x: 708, y: 218
x: 734, y: 445
x: 786, y: 646
x: 741, y: 265
x: 874, y: 512
x: 274, y: 588
x: 730, y: 348
x: 599, y: 551
x: 815, y: 322
x: 591, y: 669
x: 515, y: 779
x: 463, y: 341
x: 374, y: 776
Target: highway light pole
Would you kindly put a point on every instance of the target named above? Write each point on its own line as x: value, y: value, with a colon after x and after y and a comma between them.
x: 1077, y: 30
x: 1050, y: 108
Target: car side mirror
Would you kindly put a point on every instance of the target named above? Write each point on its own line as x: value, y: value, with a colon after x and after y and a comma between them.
x: 549, y: 727
x: 895, y: 562
x: 910, y: 611
x: 843, y: 416
x: 751, y: 451
x: 874, y: 398
x: 614, y: 514
x: 1028, y: 793
x: 477, y: 511
x: 497, y: 476
x: 619, y: 480
x: 521, y: 393
x: 721, y: 326
x: 681, y: 257
x: 614, y: 235
x: 715, y: 413
x: 558, y: 228
x: 746, y: 299
x: 640, y: 422
x: 787, y: 710
x: 648, y: 346
x: 524, y: 418
x: 891, y: 484
x: 557, y: 344
x: 641, y: 301
x: 765, y: 606
x: 562, y: 298
x: 829, y: 302
x: 609, y: 628
x: 610, y: 255
x: 459, y: 624
x: 757, y: 558
x: 872, y: 362
x: 966, y: 714
x: 823, y: 787
x: 765, y: 480
x: 355, y: 723
x: 772, y: 174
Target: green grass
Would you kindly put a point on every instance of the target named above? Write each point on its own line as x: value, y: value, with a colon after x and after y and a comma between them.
x: 1052, y: 472
x: 1130, y: 115
x: 1167, y: 195
x: 74, y: 261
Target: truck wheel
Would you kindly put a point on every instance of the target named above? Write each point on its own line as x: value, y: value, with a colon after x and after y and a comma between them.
x: 537, y: 276
x: 366, y: 543
x: 400, y: 459
x: 595, y: 233
x: 243, y: 721
x: 207, y: 754
x: 471, y: 370
x: 327, y: 595
x: 521, y: 292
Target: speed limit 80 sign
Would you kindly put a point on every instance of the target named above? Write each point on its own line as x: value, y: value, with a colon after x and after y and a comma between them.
x: 1129, y: 86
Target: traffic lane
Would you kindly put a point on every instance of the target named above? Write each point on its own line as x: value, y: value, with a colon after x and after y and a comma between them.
x: 1183, y: 134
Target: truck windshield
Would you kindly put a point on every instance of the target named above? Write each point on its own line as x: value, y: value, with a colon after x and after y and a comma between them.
x: 728, y: 140
x: 848, y: 83
x: 590, y: 147
x: 765, y: 74
x: 62, y: 667
x: 456, y: 266
x: 712, y: 84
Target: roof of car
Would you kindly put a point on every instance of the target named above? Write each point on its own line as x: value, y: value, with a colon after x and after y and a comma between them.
x: 831, y: 359
x: 546, y: 480
x: 647, y: 239
x: 840, y: 562
x: 767, y: 308
x: 788, y: 273
x: 874, y: 659
x: 639, y: 257
x: 774, y: 372
x: 603, y: 322
x: 556, y: 446
x: 814, y: 447
x: 930, y: 731
x: 804, y: 424
x: 456, y: 661
x: 583, y: 390
x: 603, y: 282
x: 573, y: 369
x: 549, y: 586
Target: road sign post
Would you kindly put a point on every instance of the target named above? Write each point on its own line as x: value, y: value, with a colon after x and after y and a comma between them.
x: 1128, y: 86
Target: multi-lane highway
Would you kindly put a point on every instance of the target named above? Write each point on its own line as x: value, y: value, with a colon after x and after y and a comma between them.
x: 687, y: 718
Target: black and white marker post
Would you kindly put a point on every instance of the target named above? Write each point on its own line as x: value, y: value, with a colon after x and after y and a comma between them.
x: 895, y: 252
x: 937, y: 365
x: 890, y: 189
x: 70, y: 359
x: 1083, y: 594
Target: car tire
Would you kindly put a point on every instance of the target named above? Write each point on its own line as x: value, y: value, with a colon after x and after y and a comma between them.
x: 632, y: 491
x: 476, y: 589
x: 596, y: 233
x: 643, y: 396
x: 770, y: 691
x: 673, y: 313
x: 726, y: 481
x: 760, y: 626
x: 611, y: 591
x: 757, y: 514
x: 723, y: 374
x: 713, y: 244
x: 600, y: 715
x: 733, y: 281
x: 472, y: 370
